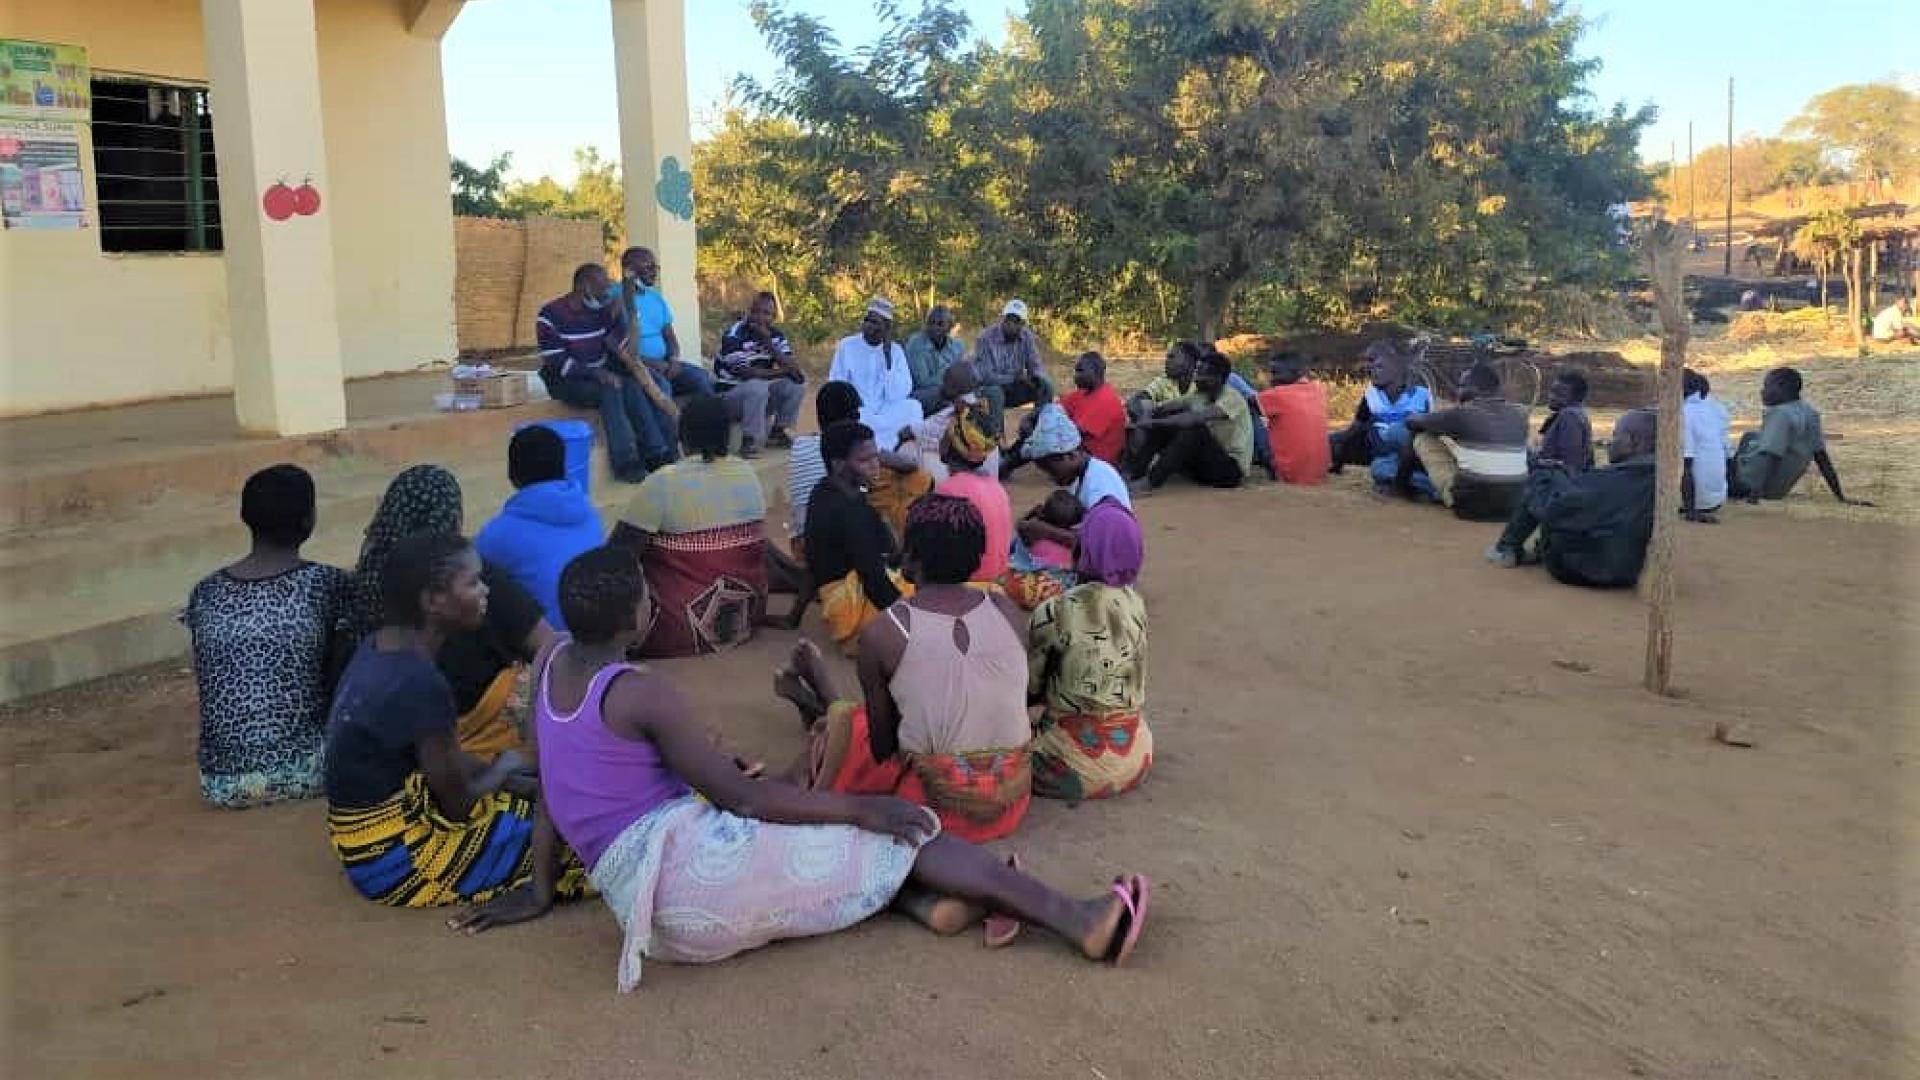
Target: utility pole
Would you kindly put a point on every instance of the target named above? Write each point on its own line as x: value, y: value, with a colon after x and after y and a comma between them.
x: 1727, y: 270
x: 1693, y: 187
x: 1673, y: 174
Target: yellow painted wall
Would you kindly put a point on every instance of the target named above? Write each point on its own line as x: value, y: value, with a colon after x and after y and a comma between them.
x: 81, y: 327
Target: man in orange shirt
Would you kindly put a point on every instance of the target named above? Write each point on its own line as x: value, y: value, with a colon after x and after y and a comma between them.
x: 1296, y: 412
x: 1094, y: 408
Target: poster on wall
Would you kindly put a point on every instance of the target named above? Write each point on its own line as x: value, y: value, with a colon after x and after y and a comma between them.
x: 41, y: 185
x: 43, y: 81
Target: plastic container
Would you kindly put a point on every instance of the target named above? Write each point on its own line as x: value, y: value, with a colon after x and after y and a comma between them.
x: 456, y: 402
x: 578, y: 437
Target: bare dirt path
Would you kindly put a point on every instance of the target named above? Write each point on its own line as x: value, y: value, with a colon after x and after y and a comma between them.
x: 1413, y: 818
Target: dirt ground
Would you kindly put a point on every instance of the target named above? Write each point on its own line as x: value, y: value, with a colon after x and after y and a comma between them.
x: 1412, y: 817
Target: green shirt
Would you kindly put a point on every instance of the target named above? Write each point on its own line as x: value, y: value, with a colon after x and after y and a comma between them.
x: 1791, y: 432
x: 927, y: 364
x: 1234, y: 431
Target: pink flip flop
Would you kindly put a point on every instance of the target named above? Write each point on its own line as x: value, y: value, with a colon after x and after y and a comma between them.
x: 1135, y: 891
x: 1002, y: 929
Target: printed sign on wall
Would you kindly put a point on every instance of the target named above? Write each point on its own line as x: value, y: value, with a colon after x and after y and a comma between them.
x: 42, y: 81
x: 41, y: 185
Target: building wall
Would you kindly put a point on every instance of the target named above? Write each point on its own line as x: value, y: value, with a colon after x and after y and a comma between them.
x: 80, y: 327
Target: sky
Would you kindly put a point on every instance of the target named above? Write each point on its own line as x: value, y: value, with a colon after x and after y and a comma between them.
x: 535, y: 77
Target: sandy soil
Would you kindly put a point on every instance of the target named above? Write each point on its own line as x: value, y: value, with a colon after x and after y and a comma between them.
x: 1413, y: 817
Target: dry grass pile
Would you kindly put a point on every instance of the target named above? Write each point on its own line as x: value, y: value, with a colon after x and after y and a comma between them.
x: 1801, y: 323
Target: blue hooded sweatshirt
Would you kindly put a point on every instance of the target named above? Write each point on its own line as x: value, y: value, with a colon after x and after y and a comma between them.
x: 537, y: 533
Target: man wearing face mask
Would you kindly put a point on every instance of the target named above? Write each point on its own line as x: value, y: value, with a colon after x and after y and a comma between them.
x: 582, y: 363
x: 655, y: 345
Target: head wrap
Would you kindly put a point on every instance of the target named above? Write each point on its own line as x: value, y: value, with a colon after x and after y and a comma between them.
x: 1111, y: 548
x: 423, y: 498
x: 882, y: 307
x: 965, y: 439
x: 1053, y: 433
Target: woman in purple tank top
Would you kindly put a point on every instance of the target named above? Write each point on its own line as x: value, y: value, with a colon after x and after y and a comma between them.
x: 697, y: 879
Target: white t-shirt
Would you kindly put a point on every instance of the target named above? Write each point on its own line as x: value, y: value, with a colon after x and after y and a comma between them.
x: 1101, y: 481
x: 879, y: 373
x: 1703, y: 439
x: 1888, y: 324
x: 805, y: 470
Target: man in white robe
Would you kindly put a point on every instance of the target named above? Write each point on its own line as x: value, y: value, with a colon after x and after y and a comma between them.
x: 877, y: 368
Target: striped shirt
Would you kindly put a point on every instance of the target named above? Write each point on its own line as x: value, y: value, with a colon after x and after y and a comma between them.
x: 805, y: 469
x: 575, y: 339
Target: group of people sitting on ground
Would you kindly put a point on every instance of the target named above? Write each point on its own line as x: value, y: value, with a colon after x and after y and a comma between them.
x: 392, y: 689
x: 611, y: 348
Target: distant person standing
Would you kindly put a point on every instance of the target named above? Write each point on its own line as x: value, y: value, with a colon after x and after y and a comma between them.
x: 930, y: 352
x: 1769, y: 462
x: 1007, y: 356
x: 583, y: 364
x: 1703, y: 450
x: 654, y: 342
x: 768, y: 386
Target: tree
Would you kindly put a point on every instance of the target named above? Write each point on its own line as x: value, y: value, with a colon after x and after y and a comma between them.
x: 596, y: 195
x: 1828, y: 241
x: 1869, y: 126
x: 477, y: 191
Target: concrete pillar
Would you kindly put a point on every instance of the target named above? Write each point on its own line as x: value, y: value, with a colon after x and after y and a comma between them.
x: 656, y: 148
x: 264, y: 71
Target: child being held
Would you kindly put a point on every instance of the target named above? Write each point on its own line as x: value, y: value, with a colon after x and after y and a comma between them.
x: 1062, y: 510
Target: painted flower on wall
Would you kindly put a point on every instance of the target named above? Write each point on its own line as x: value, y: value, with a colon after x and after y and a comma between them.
x: 674, y: 189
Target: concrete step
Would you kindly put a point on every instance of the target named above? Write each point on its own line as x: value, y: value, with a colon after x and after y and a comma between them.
x: 93, y: 594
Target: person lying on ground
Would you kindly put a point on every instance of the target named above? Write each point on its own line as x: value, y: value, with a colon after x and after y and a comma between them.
x: 483, y: 664
x: 1593, y: 527
x: 1703, y: 449
x: 698, y: 862
x: 1206, y: 436
x: 545, y: 522
x: 583, y: 363
x: 1007, y: 356
x: 967, y: 450
x: 1087, y: 668
x: 1094, y: 407
x: 1295, y: 411
x: 415, y: 820
x: 944, y: 678
x: 264, y: 651
x: 698, y: 527
x: 1474, y: 455
x: 654, y: 343
x: 1378, y: 433
x: 767, y: 386
x: 930, y: 352
x: 1769, y: 462
x: 850, y: 550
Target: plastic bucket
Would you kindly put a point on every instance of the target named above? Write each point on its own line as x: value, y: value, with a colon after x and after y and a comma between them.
x: 578, y: 437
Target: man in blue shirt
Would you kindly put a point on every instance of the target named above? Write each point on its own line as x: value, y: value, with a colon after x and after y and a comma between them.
x: 654, y: 342
x: 545, y: 523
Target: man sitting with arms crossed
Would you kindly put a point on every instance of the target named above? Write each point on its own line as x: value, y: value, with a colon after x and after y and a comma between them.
x: 1594, y: 526
x: 756, y: 357
x: 1206, y: 436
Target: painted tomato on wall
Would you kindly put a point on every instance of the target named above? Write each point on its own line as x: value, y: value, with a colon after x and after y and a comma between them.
x: 306, y: 200
x: 279, y: 202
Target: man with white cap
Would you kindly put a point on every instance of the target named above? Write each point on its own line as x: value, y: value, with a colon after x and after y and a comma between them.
x: 1007, y: 357
x: 877, y: 368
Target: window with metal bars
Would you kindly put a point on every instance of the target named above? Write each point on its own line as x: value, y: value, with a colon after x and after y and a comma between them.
x: 153, y: 167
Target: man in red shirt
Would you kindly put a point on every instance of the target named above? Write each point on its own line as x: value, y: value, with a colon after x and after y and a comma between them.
x: 1296, y: 412
x: 1094, y: 408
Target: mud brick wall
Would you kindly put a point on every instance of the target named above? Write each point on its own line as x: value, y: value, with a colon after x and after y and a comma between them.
x: 504, y: 271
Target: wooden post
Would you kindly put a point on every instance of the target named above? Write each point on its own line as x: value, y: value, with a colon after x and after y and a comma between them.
x: 1856, y: 298
x: 1656, y: 583
x: 1728, y: 271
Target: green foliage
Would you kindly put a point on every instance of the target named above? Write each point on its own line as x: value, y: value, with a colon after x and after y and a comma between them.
x: 595, y: 195
x: 478, y: 191
x: 1162, y: 166
x: 1870, y: 127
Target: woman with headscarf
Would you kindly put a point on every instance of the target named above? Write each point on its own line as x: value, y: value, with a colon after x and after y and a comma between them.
x: 481, y: 665
x: 1087, y: 664
x: 964, y: 450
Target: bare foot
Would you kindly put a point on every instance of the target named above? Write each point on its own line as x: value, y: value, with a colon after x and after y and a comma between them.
x: 808, y: 662
x: 1117, y: 920
x: 790, y: 686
